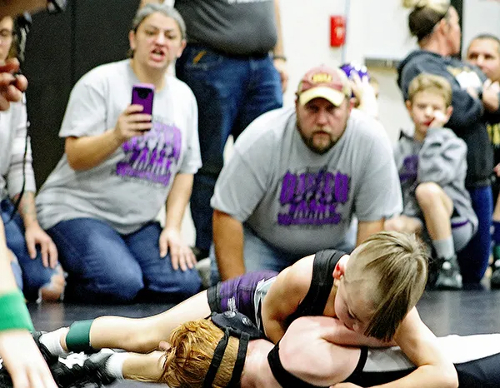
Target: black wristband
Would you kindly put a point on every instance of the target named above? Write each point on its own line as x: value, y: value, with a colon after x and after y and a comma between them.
x: 282, y: 57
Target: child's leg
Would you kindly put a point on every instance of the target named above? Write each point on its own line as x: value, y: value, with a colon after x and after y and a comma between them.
x: 132, y: 334
x: 404, y: 224
x: 437, y: 208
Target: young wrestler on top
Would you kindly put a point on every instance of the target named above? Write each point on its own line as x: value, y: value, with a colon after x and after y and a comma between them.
x: 371, y: 293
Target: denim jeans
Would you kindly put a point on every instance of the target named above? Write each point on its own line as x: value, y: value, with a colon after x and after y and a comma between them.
x: 31, y: 271
x: 474, y: 258
x: 106, y: 267
x: 231, y: 92
x: 260, y: 255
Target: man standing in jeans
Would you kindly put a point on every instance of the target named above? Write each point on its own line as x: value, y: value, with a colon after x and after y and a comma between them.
x: 235, y: 66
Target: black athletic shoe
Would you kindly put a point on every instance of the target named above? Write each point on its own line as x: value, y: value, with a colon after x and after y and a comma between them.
x: 80, y: 370
x: 5, y: 380
x: 49, y: 357
x: 495, y: 275
x: 448, y: 275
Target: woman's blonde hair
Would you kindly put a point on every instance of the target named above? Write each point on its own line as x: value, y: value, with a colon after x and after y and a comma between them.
x: 430, y: 83
x: 192, y: 349
x: 425, y: 15
x: 396, y: 263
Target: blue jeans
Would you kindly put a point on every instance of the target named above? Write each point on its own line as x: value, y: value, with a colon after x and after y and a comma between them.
x: 260, y: 255
x: 474, y: 258
x: 30, y: 273
x: 231, y: 92
x: 106, y: 267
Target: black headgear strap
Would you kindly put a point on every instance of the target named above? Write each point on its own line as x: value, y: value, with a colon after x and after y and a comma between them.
x: 237, y: 325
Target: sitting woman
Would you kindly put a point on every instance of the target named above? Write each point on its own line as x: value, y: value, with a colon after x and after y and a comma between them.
x: 33, y: 255
x: 120, y: 167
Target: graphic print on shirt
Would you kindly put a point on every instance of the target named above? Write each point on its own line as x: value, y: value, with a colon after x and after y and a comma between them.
x: 153, y: 156
x: 313, y: 198
x: 409, y: 169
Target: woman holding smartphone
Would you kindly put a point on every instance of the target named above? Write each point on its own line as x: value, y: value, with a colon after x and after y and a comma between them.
x: 120, y: 166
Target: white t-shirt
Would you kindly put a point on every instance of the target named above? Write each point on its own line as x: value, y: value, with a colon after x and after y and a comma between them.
x: 300, y: 201
x: 129, y: 188
x: 13, y: 126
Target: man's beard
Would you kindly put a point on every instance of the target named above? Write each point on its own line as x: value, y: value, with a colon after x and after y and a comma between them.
x: 309, y: 142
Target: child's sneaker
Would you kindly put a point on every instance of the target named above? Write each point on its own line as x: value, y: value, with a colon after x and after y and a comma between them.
x: 448, y: 275
x: 495, y: 268
x: 80, y: 370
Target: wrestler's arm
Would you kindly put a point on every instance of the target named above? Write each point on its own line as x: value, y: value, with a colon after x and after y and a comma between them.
x: 284, y: 296
x: 341, y: 335
x: 420, y: 346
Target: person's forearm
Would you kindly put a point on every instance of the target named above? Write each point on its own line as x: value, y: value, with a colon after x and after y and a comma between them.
x: 144, y: 367
x: 7, y: 281
x: 88, y: 152
x: 17, y: 7
x: 228, y: 241
x: 178, y: 199
x: 426, y: 376
x: 367, y: 228
x: 278, y: 50
x: 27, y: 208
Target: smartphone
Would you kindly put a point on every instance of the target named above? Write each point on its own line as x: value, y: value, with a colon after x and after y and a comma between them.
x: 143, y: 94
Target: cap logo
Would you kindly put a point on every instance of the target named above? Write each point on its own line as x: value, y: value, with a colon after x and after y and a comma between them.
x: 321, y: 78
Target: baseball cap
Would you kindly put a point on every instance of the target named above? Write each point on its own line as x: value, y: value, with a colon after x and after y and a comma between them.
x: 330, y: 83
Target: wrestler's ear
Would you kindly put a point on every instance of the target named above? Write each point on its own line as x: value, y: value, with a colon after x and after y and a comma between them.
x: 339, y: 269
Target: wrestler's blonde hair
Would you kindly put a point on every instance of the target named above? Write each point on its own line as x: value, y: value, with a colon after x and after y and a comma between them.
x: 425, y: 15
x: 395, y: 265
x: 192, y: 349
x: 430, y: 83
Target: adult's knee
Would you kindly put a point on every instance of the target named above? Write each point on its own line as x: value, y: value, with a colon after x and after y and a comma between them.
x: 123, y: 287
x: 177, y: 284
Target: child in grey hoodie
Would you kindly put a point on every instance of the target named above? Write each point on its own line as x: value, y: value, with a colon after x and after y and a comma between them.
x: 432, y: 168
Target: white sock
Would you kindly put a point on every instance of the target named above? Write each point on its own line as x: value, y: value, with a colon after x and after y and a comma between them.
x: 52, y: 342
x: 114, y: 365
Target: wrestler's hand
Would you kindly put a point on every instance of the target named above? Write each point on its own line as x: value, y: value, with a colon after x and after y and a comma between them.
x: 23, y: 360
x: 180, y: 253
x: 345, y: 385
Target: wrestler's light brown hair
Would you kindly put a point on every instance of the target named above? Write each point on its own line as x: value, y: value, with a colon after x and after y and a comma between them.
x: 430, y: 83
x: 188, y: 360
x: 426, y: 14
x: 395, y: 264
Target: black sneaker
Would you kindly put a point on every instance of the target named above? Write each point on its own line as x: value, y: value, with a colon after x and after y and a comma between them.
x: 495, y: 275
x: 80, y: 370
x: 448, y: 275
x: 5, y: 380
x: 48, y: 357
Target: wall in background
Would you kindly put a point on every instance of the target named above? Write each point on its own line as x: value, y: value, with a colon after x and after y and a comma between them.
x: 62, y: 48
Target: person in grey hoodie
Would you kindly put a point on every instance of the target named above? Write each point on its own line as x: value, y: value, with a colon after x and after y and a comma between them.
x: 435, y: 24
x: 432, y: 168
